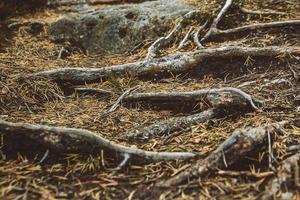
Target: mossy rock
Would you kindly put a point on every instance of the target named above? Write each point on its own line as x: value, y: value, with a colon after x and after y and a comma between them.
x: 121, y: 28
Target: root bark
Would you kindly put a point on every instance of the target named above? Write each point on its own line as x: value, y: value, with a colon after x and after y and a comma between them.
x: 79, y: 140
x: 238, y: 145
x: 173, y: 64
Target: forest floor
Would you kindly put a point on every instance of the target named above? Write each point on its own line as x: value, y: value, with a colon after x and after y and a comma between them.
x: 74, y: 176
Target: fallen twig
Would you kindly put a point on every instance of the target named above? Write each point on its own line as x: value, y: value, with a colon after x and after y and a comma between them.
x: 174, y: 63
x: 79, y: 140
x: 94, y: 91
x: 119, y: 100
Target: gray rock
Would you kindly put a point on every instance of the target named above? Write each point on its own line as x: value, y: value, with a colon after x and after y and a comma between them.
x: 119, y: 29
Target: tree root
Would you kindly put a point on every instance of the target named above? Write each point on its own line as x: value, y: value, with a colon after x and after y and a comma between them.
x: 89, y: 2
x: 218, y: 32
x: 79, y: 140
x: 196, y: 36
x: 238, y: 145
x: 183, y: 42
x: 170, y: 125
x: 97, y: 91
x: 264, y: 12
x: 223, y: 101
x: 175, y: 63
x: 166, y: 40
x: 227, y: 96
x: 214, y: 25
x: 287, y: 176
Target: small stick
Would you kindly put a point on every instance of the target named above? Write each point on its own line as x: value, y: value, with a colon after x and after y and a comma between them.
x: 93, y: 90
x: 196, y: 36
x: 184, y: 40
x: 119, y: 100
x: 44, y: 156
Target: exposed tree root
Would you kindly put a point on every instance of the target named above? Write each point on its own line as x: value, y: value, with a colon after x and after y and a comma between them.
x: 223, y: 101
x: 167, y: 40
x: 214, y: 25
x: 196, y: 36
x: 263, y: 12
x: 238, y: 145
x: 217, y: 32
x: 245, y: 173
x: 183, y: 42
x: 174, y: 63
x: 294, y: 148
x: 228, y: 97
x: 287, y: 176
x: 171, y: 125
x: 93, y: 91
x: 89, y: 2
x: 79, y: 140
